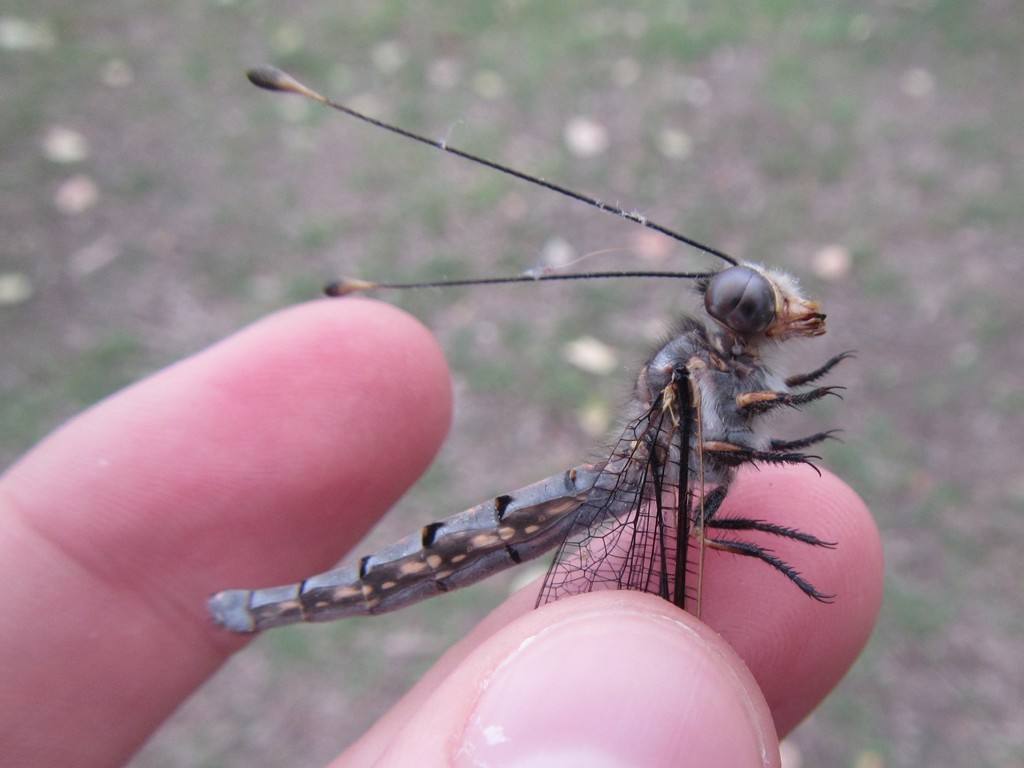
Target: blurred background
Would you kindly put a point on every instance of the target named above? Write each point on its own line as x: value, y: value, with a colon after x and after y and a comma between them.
x: 152, y: 201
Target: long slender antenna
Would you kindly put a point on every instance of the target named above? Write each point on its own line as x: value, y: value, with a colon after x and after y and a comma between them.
x: 349, y: 285
x: 273, y: 79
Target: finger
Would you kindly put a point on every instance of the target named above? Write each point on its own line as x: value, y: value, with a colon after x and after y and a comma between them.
x: 608, y: 678
x: 796, y: 648
x: 257, y: 461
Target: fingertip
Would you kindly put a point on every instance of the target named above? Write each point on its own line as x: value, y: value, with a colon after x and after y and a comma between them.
x: 356, y: 354
x: 352, y: 399
x: 850, y: 569
x: 798, y: 648
x: 603, y: 679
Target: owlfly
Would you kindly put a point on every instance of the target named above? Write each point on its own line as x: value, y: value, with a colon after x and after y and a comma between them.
x: 643, y: 518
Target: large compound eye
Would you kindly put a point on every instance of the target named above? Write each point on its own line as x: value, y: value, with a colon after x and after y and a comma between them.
x: 741, y: 299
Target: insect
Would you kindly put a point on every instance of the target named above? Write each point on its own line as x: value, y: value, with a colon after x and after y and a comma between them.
x: 643, y: 518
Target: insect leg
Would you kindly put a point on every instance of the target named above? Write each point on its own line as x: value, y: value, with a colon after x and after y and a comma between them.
x: 733, y: 454
x: 753, y: 550
x: 746, y: 524
x: 803, y: 442
x: 800, y: 379
x: 762, y: 402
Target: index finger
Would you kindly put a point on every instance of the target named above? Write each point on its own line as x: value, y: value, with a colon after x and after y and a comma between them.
x: 115, y: 530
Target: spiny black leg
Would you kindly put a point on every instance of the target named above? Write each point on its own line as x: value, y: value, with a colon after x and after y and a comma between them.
x: 752, y: 550
x: 762, y: 402
x: 712, y: 502
x: 734, y: 455
x: 803, y: 442
x: 745, y: 524
x: 806, y: 378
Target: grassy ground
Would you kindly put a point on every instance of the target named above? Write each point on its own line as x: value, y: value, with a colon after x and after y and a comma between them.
x: 781, y: 131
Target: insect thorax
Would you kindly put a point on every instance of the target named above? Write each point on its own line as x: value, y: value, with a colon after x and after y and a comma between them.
x: 722, y: 366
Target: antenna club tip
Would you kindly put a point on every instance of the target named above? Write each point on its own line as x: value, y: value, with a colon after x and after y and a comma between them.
x: 267, y: 76
x: 348, y: 285
x: 271, y: 78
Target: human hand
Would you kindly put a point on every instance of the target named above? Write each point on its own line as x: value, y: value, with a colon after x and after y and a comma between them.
x: 250, y: 463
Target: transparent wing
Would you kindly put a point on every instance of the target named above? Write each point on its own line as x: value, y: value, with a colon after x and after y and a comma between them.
x: 632, y: 532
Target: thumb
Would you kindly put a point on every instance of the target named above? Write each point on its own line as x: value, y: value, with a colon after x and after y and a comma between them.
x: 605, y: 679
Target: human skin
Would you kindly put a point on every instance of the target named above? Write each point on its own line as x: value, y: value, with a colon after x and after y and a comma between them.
x: 264, y: 459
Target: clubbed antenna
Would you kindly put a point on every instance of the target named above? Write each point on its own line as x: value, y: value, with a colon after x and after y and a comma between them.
x: 273, y: 79
x: 349, y: 285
